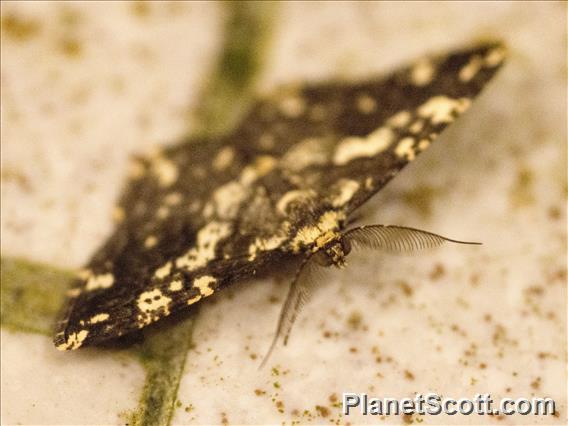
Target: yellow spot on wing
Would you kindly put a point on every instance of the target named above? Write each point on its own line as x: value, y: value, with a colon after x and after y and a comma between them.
x: 366, y: 104
x: 99, y: 281
x: 354, y: 147
x: 150, y: 241
x: 224, y: 158
x: 207, y: 239
x: 400, y: 119
x: 165, y: 171
x: 327, y: 227
x: 292, y: 106
x: 163, y: 271
x: 405, y: 148
x: 203, y: 284
x: 423, y: 72
x: 469, y: 70
x: 228, y: 199
x: 176, y: 285
x: 74, y: 341
x: 346, y: 189
x: 99, y: 318
x: 148, y: 303
x: 118, y: 214
x: 495, y: 56
x: 442, y: 109
x: 291, y: 197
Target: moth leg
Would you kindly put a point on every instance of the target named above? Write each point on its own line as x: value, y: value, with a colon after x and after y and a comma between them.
x: 397, y: 239
x: 297, y: 297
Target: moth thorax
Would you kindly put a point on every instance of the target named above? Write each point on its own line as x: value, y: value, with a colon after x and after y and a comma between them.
x: 334, y: 253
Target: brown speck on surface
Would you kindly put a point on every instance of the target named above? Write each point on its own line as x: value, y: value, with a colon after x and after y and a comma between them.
x: 140, y: 8
x: 421, y: 198
x: 273, y: 299
x: 407, y: 419
x: 224, y: 419
x: 353, y: 350
x: 70, y: 47
x: 535, y: 384
x: 474, y: 279
x: 333, y: 398
x: 280, y: 406
x: 322, y: 411
x: 259, y: 392
x: 354, y: 320
x: 437, y: 272
x: 521, y: 194
x: 408, y: 375
x: 17, y: 28
x: 554, y: 213
x: 406, y: 289
x: 482, y: 366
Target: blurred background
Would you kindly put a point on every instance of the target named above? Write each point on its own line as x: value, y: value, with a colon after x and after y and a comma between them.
x: 85, y: 85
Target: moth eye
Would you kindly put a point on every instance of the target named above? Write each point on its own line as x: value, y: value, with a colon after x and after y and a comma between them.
x: 346, y: 245
x: 322, y: 259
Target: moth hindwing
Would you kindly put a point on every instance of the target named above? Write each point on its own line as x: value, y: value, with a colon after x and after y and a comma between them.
x: 199, y: 216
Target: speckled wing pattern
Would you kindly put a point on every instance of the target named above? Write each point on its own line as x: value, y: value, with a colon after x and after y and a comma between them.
x: 201, y: 215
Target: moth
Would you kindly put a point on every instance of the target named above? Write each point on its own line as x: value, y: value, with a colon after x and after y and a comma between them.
x: 201, y: 215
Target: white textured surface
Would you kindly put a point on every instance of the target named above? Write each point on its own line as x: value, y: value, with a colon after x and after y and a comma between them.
x: 461, y: 320
x: 43, y: 386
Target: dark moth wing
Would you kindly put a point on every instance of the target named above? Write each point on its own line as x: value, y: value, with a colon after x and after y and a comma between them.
x: 204, y: 214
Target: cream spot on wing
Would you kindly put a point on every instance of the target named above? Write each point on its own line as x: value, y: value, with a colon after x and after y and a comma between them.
x: 203, y: 284
x: 308, y: 152
x: 74, y: 292
x: 423, y: 144
x: 441, y: 109
x: 470, y: 70
x: 165, y: 171
x: 84, y: 274
x: 74, y: 341
x: 99, y: 281
x: 207, y: 239
x: 228, y: 199
x: 292, y: 106
x: 318, y: 112
x: 194, y: 299
x: 150, y: 241
x: 163, y: 212
x: 173, y: 199
x: 354, y: 147
x: 346, y: 189
x: 224, y: 158
x: 271, y: 243
x: 99, y: 318
x: 136, y: 169
x: 326, y: 229
x: 495, y: 56
x: 118, y: 214
x: 400, y: 119
x: 266, y: 141
x: 369, y: 183
x: 366, y: 104
x: 416, y: 127
x: 405, y: 149
x: 148, y: 303
x: 293, y: 196
x: 176, y: 285
x: 423, y: 72
x: 263, y: 164
x: 163, y: 271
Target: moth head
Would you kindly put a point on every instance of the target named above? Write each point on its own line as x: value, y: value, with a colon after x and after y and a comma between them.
x: 333, y: 253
